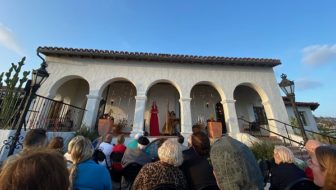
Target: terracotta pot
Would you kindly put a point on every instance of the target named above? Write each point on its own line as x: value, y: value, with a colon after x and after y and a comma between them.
x: 105, y: 126
x: 215, y: 129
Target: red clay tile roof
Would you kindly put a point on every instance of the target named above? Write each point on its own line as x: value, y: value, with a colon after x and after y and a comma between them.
x: 312, y: 105
x: 157, y: 57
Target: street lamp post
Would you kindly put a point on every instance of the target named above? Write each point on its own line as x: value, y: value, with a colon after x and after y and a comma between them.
x: 287, y: 86
x: 38, y: 77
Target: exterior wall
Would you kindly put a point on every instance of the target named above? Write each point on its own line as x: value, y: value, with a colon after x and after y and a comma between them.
x: 308, y: 114
x: 100, y: 73
x: 6, y: 139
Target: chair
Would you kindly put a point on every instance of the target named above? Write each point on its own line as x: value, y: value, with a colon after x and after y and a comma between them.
x: 302, y: 184
x: 210, y: 187
x: 167, y: 187
x: 130, y: 172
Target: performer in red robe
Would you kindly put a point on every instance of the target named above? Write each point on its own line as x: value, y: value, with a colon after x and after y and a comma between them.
x: 154, y: 121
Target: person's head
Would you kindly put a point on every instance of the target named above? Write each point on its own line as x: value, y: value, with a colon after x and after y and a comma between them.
x: 36, y: 170
x: 234, y: 165
x: 71, y: 143
x: 311, y: 145
x: 142, y: 142
x: 201, y: 143
x: 108, y: 138
x: 170, y: 152
x: 81, y: 151
x: 35, y: 138
x: 283, y: 154
x: 323, y: 164
x: 121, y: 139
x: 180, y: 139
x: 56, y: 143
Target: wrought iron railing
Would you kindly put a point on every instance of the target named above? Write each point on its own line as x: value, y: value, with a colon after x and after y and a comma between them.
x: 286, y: 139
x: 324, y: 138
x: 53, y: 115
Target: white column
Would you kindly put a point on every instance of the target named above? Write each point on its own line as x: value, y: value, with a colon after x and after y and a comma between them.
x: 140, y: 103
x: 186, y: 125
x: 91, y: 112
x: 230, y: 117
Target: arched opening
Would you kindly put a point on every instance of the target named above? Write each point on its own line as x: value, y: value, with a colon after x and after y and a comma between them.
x: 250, y: 110
x: 118, y: 104
x: 162, y: 115
x: 66, y: 108
x: 73, y: 92
x: 206, y: 106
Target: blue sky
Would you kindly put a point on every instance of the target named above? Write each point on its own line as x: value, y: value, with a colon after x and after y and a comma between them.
x: 301, y: 33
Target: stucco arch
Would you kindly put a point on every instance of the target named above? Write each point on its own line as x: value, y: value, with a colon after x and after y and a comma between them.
x: 264, y: 95
x: 116, y: 79
x: 212, y: 84
x: 57, y: 84
x: 261, y: 92
x: 165, y: 81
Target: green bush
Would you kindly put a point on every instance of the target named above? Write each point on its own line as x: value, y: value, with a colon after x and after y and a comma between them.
x: 263, y: 150
x: 87, y: 133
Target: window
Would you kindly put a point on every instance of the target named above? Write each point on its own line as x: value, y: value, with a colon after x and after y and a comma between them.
x: 303, y: 118
x: 260, y: 115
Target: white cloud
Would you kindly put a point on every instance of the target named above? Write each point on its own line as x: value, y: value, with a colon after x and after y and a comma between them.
x: 8, y: 40
x: 306, y: 84
x: 319, y: 54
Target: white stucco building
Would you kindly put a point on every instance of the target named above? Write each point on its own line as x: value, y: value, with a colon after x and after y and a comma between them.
x: 194, y: 86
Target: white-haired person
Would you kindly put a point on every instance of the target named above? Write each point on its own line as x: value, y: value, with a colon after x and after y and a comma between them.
x: 285, y: 172
x: 84, y: 172
x: 165, y: 171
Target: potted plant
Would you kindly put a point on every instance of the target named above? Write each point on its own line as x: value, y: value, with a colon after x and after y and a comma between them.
x: 122, y: 123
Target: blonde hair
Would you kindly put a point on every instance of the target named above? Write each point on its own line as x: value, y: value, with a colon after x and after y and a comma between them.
x: 170, y: 152
x: 81, y: 151
x: 121, y: 139
x: 71, y: 143
x: 284, y: 154
x: 326, y: 157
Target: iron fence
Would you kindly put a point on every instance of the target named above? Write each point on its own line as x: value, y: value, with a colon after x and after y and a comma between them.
x: 53, y: 115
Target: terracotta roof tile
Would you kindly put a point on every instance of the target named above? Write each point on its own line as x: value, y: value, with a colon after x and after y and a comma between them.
x: 312, y: 105
x: 158, y: 57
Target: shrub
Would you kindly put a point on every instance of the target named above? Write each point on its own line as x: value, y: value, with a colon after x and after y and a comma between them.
x: 87, y: 133
x: 263, y: 150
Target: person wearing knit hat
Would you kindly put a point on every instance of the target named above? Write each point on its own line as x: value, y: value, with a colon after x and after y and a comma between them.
x: 235, y: 166
x: 133, y: 144
x: 138, y: 154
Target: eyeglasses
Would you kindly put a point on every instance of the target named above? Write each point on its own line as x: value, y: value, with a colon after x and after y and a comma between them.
x: 311, y: 164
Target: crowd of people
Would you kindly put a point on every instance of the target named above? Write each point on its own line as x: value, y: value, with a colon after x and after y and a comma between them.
x: 226, y: 164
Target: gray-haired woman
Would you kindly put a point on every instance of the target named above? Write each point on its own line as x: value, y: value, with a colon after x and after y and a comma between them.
x: 165, y: 171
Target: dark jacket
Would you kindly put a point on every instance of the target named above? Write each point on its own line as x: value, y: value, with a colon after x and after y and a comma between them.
x: 284, y: 174
x: 197, y: 170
